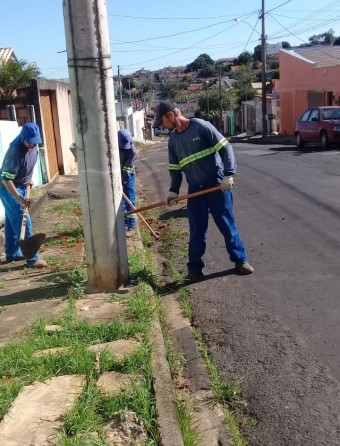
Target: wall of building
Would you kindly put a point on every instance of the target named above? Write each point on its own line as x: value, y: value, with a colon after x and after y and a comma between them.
x: 66, y: 128
x: 297, y: 78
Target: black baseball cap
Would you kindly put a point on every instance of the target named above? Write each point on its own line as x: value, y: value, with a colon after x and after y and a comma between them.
x: 162, y: 109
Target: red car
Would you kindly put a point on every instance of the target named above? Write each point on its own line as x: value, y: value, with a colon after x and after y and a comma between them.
x: 318, y: 125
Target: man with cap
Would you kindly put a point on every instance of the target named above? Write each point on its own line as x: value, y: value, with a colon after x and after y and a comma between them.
x: 128, y: 154
x: 15, y: 175
x: 207, y: 159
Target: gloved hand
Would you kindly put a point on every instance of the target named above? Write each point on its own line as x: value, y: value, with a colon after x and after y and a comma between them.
x: 227, y: 183
x: 170, y: 198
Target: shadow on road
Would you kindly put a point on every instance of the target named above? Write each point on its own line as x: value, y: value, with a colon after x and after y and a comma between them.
x: 298, y: 152
x: 172, y: 287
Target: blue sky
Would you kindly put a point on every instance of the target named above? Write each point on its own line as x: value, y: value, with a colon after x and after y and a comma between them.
x: 153, y: 35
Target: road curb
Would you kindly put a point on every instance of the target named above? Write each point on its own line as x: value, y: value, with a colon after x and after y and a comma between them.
x: 208, y: 414
x: 170, y: 431
x: 168, y: 424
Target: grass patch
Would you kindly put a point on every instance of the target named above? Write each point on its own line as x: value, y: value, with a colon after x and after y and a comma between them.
x: 227, y: 394
x: 184, y: 409
x: 65, y: 207
x: 144, y: 271
x: 69, y: 232
x: 186, y: 306
x: 83, y: 424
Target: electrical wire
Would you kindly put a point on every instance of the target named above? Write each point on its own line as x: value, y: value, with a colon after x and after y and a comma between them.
x: 317, y: 48
x: 168, y: 18
x: 181, y: 32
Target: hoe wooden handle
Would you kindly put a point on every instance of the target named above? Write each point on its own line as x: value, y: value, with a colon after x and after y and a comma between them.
x: 183, y: 197
x: 141, y: 217
x: 24, y: 215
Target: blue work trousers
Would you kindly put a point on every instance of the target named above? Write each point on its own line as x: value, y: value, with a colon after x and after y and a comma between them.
x: 13, y: 221
x: 220, y: 205
x: 130, y: 191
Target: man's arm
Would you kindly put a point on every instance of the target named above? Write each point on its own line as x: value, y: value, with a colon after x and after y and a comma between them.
x: 223, y: 148
x: 127, y: 165
x: 175, y: 171
x: 9, y: 185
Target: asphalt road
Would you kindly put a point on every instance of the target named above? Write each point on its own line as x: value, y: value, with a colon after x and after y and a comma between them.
x: 276, y: 332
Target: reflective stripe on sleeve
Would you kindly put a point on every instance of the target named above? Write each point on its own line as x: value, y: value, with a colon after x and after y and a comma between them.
x: 175, y: 167
x: 8, y: 175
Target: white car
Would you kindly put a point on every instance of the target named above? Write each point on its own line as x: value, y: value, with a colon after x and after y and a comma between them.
x: 160, y: 131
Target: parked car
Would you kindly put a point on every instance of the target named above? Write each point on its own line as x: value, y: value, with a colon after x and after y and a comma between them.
x: 160, y: 131
x: 318, y: 125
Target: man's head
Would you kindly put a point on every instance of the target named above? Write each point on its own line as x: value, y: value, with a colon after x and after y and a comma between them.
x: 31, y: 135
x: 161, y: 111
x: 124, y: 139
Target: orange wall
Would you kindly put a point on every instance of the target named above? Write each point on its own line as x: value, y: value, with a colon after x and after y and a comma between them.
x: 297, y: 77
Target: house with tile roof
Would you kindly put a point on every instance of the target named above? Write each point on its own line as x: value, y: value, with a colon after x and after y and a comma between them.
x: 309, y: 77
x: 7, y: 54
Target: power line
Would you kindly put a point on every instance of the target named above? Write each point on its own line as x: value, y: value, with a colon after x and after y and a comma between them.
x: 182, y: 32
x: 176, y: 52
x: 308, y: 43
x: 253, y: 30
x: 169, y: 18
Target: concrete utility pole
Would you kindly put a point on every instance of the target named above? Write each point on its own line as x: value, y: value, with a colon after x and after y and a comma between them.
x: 220, y: 94
x: 264, y: 63
x: 90, y: 71
x: 120, y: 95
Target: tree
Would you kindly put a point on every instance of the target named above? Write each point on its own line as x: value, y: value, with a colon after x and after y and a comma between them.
x: 169, y: 91
x: 15, y: 75
x: 128, y: 83
x: 257, y: 55
x: 244, y: 76
x: 207, y: 72
x: 202, y: 61
x: 209, y: 105
x: 326, y: 38
x: 337, y: 41
x: 244, y: 58
x: 286, y: 45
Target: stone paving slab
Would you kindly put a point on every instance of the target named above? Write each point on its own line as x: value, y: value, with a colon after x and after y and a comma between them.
x: 120, y: 348
x: 95, y: 308
x: 15, y: 318
x: 35, y: 417
x: 112, y: 382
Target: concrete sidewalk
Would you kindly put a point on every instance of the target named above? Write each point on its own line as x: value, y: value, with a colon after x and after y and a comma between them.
x: 26, y: 294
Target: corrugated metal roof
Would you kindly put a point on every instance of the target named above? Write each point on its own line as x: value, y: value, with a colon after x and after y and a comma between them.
x: 7, y: 54
x: 321, y: 56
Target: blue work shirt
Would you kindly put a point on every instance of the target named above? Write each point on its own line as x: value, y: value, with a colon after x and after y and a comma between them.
x: 18, y: 165
x: 202, y: 153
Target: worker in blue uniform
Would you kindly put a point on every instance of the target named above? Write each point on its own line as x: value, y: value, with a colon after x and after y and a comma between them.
x: 207, y: 159
x: 128, y: 154
x: 15, y: 175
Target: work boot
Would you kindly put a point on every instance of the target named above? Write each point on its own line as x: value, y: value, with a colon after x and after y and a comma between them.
x: 243, y: 268
x: 194, y: 276
x: 38, y: 264
x: 130, y: 232
x: 14, y: 259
